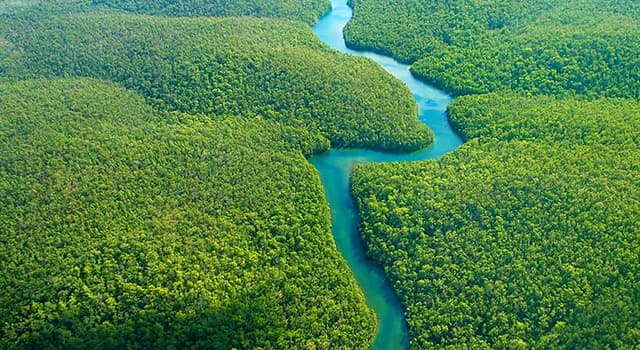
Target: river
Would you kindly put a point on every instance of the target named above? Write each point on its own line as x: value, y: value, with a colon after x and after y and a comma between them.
x: 335, y: 171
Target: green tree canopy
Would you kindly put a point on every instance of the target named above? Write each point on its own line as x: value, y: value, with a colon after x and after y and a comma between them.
x: 127, y: 227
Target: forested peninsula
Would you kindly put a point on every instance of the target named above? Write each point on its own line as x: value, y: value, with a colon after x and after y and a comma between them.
x: 528, y: 235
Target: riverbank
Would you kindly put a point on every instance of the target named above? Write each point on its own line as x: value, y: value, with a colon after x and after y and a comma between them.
x: 335, y: 169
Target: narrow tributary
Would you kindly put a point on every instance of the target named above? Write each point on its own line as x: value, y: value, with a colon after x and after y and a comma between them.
x: 335, y: 171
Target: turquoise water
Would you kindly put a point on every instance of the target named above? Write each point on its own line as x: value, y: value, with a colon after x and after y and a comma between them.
x: 335, y: 171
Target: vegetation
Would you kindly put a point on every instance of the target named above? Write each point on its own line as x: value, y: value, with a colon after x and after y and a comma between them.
x: 155, y: 191
x: 611, y: 122
x: 525, y: 237
x: 154, y: 185
x: 42, y: 7
x: 15, y: 6
x: 307, y: 10
x: 235, y: 66
x: 126, y: 227
x: 553, y: 47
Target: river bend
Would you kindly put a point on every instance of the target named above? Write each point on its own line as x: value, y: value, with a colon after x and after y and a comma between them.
x: 335, y: 171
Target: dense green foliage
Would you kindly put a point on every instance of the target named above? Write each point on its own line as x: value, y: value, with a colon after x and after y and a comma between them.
x: 305, y: 10
x: 550, y: 47
x: 234, y: 66
x: 123, y: 227
x: 45, y: 7
x: 15, y: 6
x: 180, y: 213
x: 526, y: 237
x: 486, y: 253
x: 611, y: 122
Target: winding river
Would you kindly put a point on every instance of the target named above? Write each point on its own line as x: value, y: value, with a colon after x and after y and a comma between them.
x: 335, y: 171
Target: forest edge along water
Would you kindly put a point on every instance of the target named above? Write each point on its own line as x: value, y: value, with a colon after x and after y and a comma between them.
x: 335, y: 171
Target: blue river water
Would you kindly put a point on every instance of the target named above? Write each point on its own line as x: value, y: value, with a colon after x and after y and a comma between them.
x: 335, y: 171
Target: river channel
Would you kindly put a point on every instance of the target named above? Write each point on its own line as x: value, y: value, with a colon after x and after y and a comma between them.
x: 335, y: 171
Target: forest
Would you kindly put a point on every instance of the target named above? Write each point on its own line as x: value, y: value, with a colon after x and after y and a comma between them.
x: 612, y: 122
x: 230, y: 66
x: 486, y: 253
x: 156, y: 193
x: 307, y: 11
x: 128, y: 227
x: 154, y: 182
x: 527, y: 236
x: 555, y: 47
